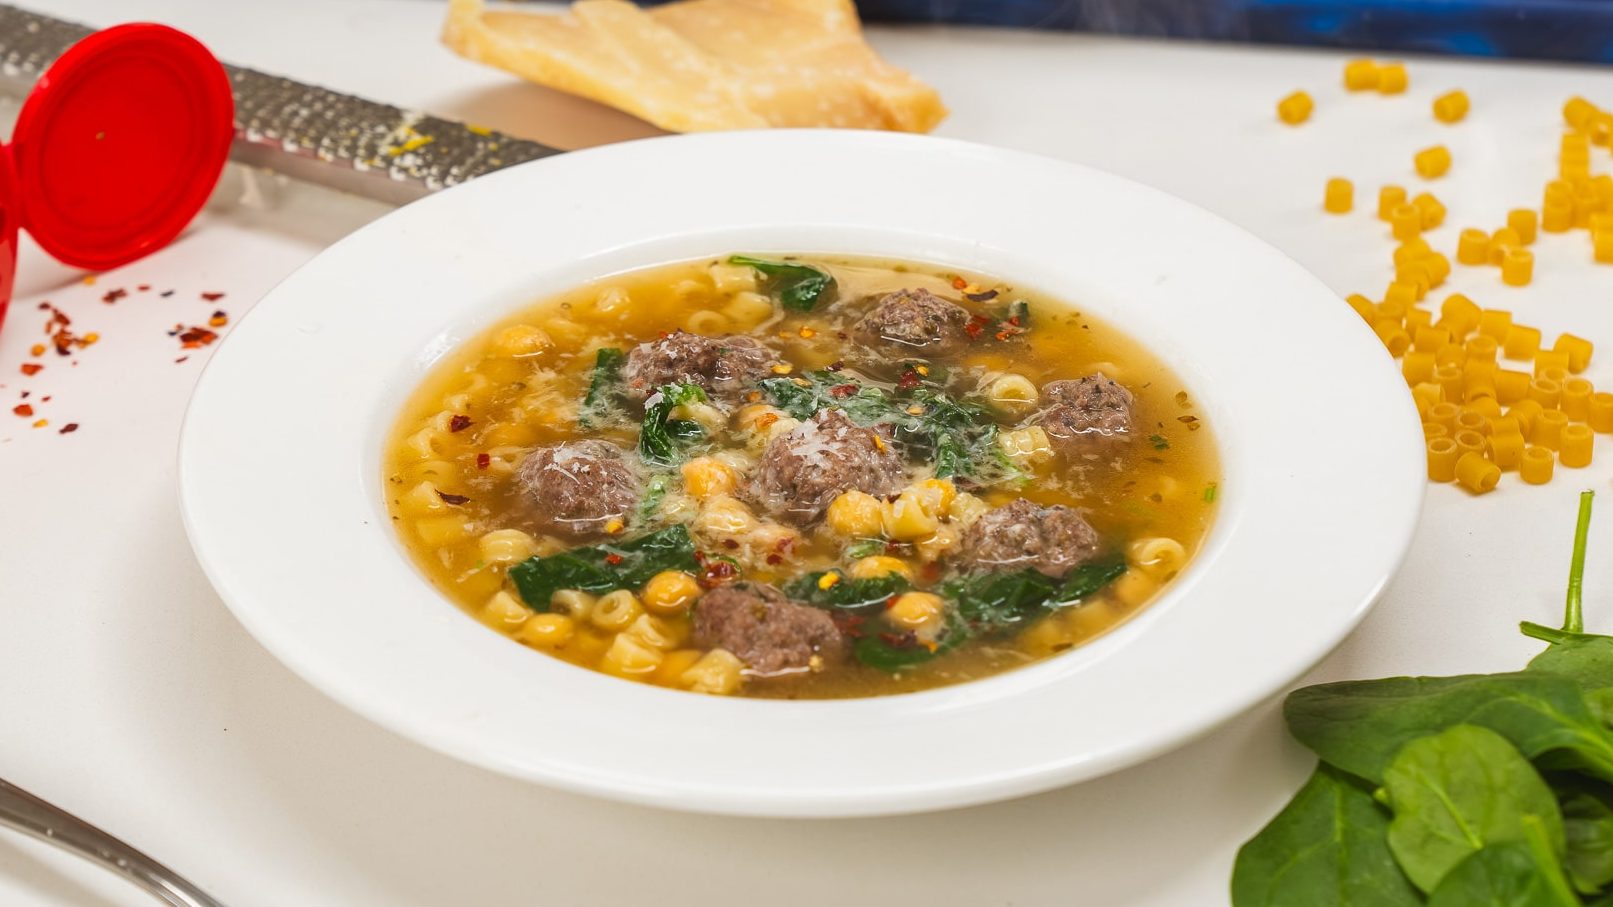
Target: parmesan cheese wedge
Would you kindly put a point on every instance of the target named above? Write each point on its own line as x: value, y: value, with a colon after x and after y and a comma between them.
x: 697, y: 65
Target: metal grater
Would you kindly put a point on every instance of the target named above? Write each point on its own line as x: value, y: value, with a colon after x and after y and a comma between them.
x: 308, y: 133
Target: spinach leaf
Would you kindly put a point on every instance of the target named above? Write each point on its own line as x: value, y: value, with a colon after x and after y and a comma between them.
x: 899, y: 652
x: 863, y: 404
x: 860, y: 596
x: 604, y: 386
x: 1455, y: 792
x: 655, y: 492
x: 1359, y: 726
x: 997, y: 601
x: 660, y: 435
x: 1587, y: 808
x: 798, y: 287
x: 1506, y: 874
x: 605, y: 567
x: 1325, y: 849
x: 862, y: 548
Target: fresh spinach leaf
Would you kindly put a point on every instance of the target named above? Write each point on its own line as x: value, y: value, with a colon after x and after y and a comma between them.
x: 893, y: 653
x: 860, y: 596
x: 1090, y: 577
x: 604, y: 387
x: 1325, y: 849
x: 862, y: 548
x: 602, y: 568
x: 660, y: 435
x: 655, y: 492
x: 1506, y: 874
x: 818, y: 390
x: 797, y: 287
x: 1359, y: 726
x: 1454, y: 792
x: 1587, y: 809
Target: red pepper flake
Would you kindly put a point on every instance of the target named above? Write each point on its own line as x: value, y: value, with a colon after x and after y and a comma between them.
x: 976, y: 326
x: 193, y: 337
x: 145, y: 287
x: 212, y: 297
x: 111, y: 296
x: 766, y: 419
x: 910, y: 380
x: 987, y: 296
x: 775, y: 559
x: 180, y: 359
x: 841, y: 391
x: 166, y: 293
x: 32, y: 368
x: 958, y: 283
x: 613, y: 559
x: 836, y: 365
x: 45, y: 399
x: 730, y: 544
x: 24, y: 394
x: 68, y: 429
x: 219, y: 319
x: 23, y: 410
x: 718, y: 572
x: 459, y: 422
x: 454, y: 499
x: 483, y: 460
x: 37, y: 349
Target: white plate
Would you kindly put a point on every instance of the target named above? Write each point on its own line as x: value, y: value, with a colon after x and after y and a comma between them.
x: 281, y: 485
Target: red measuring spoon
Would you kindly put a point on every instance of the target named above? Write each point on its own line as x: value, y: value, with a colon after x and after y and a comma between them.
x: 115, y: 150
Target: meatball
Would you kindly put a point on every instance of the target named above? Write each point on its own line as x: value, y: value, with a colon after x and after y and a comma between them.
x: 1086, y: 413
x: 802, y: 471
x: 915, y: 322
x: 1053, y: 540
x: 725, y: 367
x: 769, y: 633
x: 576, y: 488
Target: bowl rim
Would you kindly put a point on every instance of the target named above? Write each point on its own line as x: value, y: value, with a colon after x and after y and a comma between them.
x: 1377, y: 515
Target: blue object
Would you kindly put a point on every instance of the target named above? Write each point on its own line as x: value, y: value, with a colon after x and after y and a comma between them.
x: 1580, y: 30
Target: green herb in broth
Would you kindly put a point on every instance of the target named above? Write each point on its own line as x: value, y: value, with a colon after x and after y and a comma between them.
x: 798, y: 287
x: 604, y: 388
x: 992, y: 602
x: 661, y: 436
x: 604, y: 568
x: 845, y: 593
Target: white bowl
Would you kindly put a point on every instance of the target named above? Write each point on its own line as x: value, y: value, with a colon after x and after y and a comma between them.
x: 281, y: 477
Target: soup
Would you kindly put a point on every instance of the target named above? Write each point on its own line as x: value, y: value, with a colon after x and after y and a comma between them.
x: 801, y: 477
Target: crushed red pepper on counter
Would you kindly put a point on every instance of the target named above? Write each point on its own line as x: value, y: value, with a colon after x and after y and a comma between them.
x: 32, y: 368
x: 111, y: 296
x: 220, y: 318
x: 213, y: 296
x: 23, y: 409
x: 68, y: 429
x: 193, y: 337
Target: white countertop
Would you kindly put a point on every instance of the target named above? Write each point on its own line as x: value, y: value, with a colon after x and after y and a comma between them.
x: 130, y: 696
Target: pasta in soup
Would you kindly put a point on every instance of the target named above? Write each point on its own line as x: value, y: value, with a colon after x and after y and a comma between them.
x: 801, y: 476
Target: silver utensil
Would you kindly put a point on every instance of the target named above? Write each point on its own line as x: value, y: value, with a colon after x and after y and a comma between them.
x: 305, y: 132
x: 29, y: 814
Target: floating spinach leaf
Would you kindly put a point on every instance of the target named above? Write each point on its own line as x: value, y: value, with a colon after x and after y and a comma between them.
x: 997, y: 601
x: 1359, y: 726
x: 897, y: 652
x: 1454, y: 792
x: 1325, y: 849
x: 655, y: 492
x: 660, y: 435
x: 846, y: 594
x: 604, y: 387
x: 602, y: 568
x: 819, y: 390
x: 865, y: 548
x: 1506, y: 874
x: 797, y: 287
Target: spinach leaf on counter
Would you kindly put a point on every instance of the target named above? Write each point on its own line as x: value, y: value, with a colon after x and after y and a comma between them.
x: 1499, y: 786
x: 1457, y: 791
x: 661, y: 436
x: 1587, y: 809
x: 605, y: 567
x: 1325, y: 849
x: 798, y: 287
x: 1506, y: 874
x: 604, y: 387
x: 1360, y: 725
x: 862, y: 596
